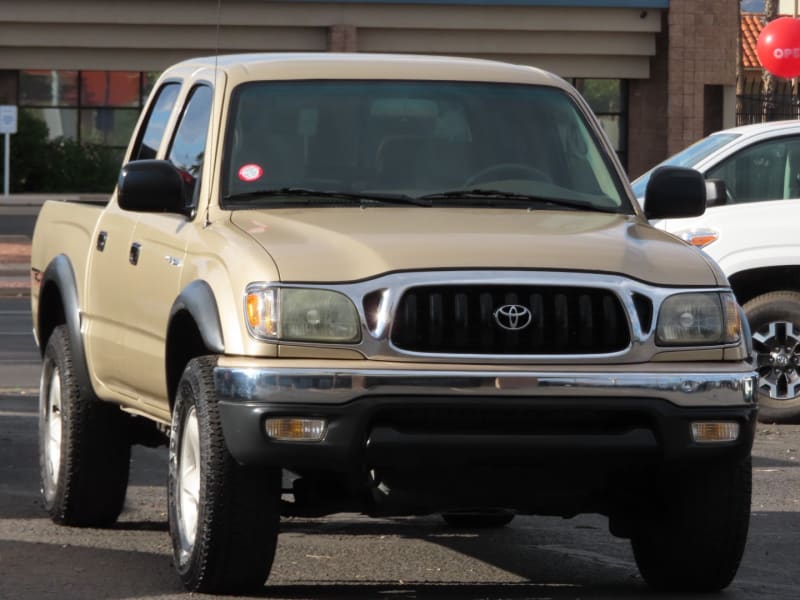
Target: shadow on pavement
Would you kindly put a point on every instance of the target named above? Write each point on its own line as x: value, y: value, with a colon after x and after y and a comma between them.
x: 71, y: 572
x: 455, y: 590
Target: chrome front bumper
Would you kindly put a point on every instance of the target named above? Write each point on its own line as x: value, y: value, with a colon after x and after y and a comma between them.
x: 332, y: 386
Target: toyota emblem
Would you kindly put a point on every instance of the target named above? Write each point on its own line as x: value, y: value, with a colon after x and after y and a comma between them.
x: 513, y: 317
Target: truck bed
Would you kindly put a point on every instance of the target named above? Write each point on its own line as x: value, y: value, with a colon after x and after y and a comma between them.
x: 63, y: 227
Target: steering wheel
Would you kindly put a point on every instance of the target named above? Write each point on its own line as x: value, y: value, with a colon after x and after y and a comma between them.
x: 507, y: 171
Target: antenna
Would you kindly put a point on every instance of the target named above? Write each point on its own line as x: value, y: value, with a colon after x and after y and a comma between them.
x: 216, y: 42
x: 207, y: 220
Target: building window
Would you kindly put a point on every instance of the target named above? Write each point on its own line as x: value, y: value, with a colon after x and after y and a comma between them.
x: 111, y: 88
x: 90, y: 107
x: 608, y: 100
x: 107, y: 126
x: 60, y: 122
x: 48, y: 88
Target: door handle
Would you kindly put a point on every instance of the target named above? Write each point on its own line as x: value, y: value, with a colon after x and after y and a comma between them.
x: 133, y: 256
x: 101, y: 240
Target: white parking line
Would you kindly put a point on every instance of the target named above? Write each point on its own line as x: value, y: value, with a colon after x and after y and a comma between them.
x: 18, y: 413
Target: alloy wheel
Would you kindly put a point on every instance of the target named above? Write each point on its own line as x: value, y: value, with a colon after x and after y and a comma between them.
x: 776, y: 348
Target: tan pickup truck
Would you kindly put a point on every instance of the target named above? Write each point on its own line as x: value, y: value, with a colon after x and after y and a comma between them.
x: 393, y: 285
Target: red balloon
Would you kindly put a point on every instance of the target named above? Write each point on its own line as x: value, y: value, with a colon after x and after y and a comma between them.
x: 778, y: 47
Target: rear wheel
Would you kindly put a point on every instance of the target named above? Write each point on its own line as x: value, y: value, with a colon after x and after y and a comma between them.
x: 694, y: 534
x: 223, y: 517
x: 775, y: 323
x: 84, y: 446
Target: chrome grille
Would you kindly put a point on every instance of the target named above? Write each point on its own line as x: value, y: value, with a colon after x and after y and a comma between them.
x: 465, y: 319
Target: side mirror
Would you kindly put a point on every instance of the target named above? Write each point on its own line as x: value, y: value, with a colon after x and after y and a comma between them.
x: 716, y: 192
x: 675, y: 192
x: 152, y: 186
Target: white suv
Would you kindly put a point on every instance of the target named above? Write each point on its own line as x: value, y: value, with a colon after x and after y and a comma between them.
x: 753, y: 232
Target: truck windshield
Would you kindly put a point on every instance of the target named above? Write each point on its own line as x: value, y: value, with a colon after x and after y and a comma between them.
x: 447, y: 140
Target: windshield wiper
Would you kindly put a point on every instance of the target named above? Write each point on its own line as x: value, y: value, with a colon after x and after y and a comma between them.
x: 352, y: 197
x: 471, y: 194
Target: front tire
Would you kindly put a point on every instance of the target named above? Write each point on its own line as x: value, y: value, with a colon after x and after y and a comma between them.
x: 693, y: 536
x: 223, y: 517
x: 775, y: 324
x: 84, y: 446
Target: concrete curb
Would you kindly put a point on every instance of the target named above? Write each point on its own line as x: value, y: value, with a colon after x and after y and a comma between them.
x: 15, y: 278
x: 19, y: 291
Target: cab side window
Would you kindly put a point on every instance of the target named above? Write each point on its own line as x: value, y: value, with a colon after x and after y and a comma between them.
x: 156, y: 123
x: 189, y: 142
x: 766, y: 171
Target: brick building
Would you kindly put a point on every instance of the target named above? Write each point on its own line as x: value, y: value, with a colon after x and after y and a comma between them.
x: 659, y: 73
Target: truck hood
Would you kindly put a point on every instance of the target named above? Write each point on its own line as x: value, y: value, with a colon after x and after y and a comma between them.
x: 336, y: 244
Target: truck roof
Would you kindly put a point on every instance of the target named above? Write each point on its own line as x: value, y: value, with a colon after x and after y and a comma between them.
x: 240, y: 68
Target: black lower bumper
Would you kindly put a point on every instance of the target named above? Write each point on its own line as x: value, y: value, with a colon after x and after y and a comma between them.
x: 423, y: 431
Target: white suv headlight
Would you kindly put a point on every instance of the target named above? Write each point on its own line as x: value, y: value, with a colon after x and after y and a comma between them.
x: 699, y: 318
x: 300, y: 314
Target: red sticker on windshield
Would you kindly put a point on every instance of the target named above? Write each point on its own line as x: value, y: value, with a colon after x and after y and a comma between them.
x: 250, y: 172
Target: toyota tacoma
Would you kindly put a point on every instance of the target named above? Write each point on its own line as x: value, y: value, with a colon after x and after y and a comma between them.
x: 392, y: 285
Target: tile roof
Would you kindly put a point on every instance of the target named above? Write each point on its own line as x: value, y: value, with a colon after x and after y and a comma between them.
x: 751, y: 26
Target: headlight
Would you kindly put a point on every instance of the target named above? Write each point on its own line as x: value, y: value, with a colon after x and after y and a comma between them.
x: 298, y: 314
x: 698, y: 318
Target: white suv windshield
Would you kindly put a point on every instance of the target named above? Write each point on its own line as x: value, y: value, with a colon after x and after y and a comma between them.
x: 688, y: 157
x: 414, y: 140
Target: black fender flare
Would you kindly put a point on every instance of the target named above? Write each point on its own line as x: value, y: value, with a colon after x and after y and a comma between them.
x: 199, y: 301
x: 60, y: 273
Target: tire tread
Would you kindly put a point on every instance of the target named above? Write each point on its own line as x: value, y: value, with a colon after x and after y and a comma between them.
x: 694, y: 540
x: 239, y: 516
x: 95, y: 461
